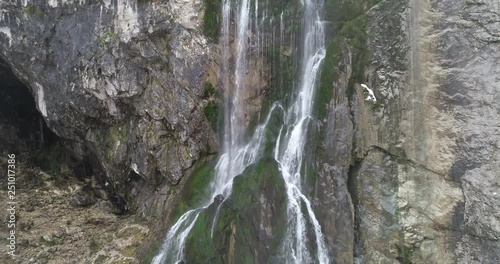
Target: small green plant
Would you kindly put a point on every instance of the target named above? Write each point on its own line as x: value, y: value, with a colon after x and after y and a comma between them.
x: 407, y: 253
x: 94, y: 245
x: 148, y: 257
x: 212, y: 20
x: 211, y: 109
x: 106, y: 37
x: 195, y: 190
x: 101, y: 259
x: 395, y: 158
x: 48, y: 242
x: 33, y: 10
x: 212, y: 113
x: 209, y: 91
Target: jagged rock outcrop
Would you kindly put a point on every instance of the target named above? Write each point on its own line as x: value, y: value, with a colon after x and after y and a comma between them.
x: 332, y: 161
x: 424, y: 160
x: 121, y: 81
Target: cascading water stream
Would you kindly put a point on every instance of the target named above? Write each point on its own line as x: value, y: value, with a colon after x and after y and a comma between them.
x: 290, y: 159
x: 289, y: 148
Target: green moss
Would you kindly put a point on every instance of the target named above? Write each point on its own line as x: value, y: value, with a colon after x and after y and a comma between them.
x: 200, y: 247
x: 148, y: 257
x: 212, y: 19
x: 211, y: 111
x: 94, y: 245
x: 328, y: 76
x: 149, y: 249
x: 199, y: 182
x: 407, y: 254
x: 108, y: 139
x: 262, y: 179
x: 49, y: 243
x: 209, y: 91
x: 343, y: 11
x: 290, y: 9
x: 258, y: 177
x: 395, y: 158
x: 352, y: 34
x: 196, y: 189
x: 33, y: 10
x: 271, y: 130
x: 235, y: 236
x: 245, y: 232
x: 355, y: 33
x: 106, y: 37
x: 101, y: 259
x: 351, y: 18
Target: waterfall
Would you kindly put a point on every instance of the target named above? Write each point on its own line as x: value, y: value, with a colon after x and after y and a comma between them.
x: 291, y: 156
x: 289, y: 149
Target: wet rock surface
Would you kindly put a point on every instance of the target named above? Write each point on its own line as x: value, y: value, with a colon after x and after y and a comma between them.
x: 249, y: 225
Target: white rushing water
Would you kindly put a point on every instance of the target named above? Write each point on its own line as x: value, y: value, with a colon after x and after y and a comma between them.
x: 289, y: 150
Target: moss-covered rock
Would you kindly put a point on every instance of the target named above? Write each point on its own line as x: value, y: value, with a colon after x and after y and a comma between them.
x: 331, y: 141
x: 209, y: 91
x: 280, y: 58
x: 196, y: 191
x: 200, y: 247
x: 249, y: 227
x: 212, y: 108
x: 212, y: 19
x: 33, y: 10
x: 352, y: 35
x: 212, y: 113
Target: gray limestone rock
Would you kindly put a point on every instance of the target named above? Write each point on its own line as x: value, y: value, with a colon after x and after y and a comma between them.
x: 120, y: 81
x: 432, y: 139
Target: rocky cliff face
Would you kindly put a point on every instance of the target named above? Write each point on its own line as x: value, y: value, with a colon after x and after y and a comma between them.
x: 121, y: 81
x: 411, y: 177
x: 423, y: 158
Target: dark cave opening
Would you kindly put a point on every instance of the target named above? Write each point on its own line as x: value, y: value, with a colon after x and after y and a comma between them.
x: 23, y: 131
